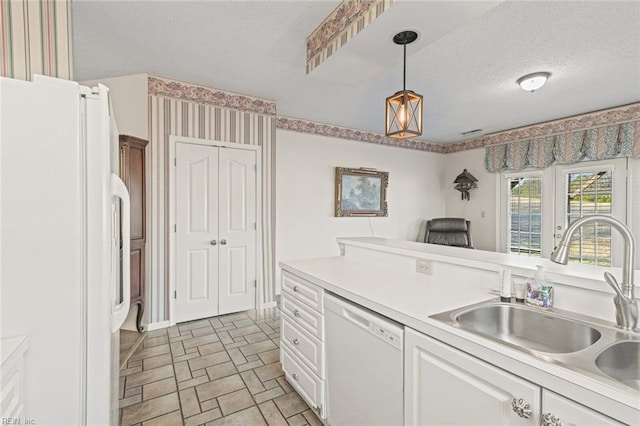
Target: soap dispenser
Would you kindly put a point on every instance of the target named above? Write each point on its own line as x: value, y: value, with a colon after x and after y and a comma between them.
x: 539, y: 291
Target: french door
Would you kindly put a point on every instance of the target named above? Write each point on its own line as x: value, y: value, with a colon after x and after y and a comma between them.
x: 215, y: 230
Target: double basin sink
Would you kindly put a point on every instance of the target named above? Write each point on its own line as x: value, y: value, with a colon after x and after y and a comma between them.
x: 575, y: 341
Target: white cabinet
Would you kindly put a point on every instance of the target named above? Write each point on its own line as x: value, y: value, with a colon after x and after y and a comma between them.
x: 446, y: 386
x: 560, y: 411
x: 302, y: 348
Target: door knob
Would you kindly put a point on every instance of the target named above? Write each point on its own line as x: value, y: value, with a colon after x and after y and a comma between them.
x: 223, y: 242
x: 213, y: 242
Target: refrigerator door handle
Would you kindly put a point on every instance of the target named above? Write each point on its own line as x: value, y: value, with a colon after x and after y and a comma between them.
x: 120, y: 311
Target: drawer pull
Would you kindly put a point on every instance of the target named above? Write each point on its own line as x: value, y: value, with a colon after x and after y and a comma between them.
x: 295, y: 376
x: 549, y: 419
x: 295, y: 341
x: 521, y: 407
x: 296, y: 288
x: 296, y: 313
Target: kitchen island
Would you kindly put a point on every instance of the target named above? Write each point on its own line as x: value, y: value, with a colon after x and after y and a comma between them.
x: 449, y: 363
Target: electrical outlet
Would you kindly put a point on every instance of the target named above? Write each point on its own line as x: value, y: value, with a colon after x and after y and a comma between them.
x: 424, y: 267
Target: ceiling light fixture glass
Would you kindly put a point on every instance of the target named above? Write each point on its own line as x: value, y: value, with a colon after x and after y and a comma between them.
x: 404, y: 108
x: 534, y: 81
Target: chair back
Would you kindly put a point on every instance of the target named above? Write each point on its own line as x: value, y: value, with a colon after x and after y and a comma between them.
x: 449, y: 231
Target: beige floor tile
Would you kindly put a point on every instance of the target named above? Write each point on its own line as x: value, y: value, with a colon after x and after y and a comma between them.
x: 209, y: 405
x: 192, y: 350
x: 182, y: 337
x: 177, y: 349
x: 272, y: 414
x: 201, y: 340
x: 150, y: 342
x: 193, y: 382
x: 290, y: 404
x: 208, y: 360
x: 243, y: 323
x: 182, y: 371
x: 202, y: 331
x: 243, y: 331
x: 250, y: 365
x: 282, y: 381
x: 194, y: 324
x: 235, y: 401
x: 225, y: 338
x: 173, y: 331
x: 219, y: 387
x: 250, y: 416
x: 127, y: 371
x: 297, y: 420
x: 312, y: 419
x: 210, y: 348
x: 157, y: 333
x: 149, y: 352
x: 256, y: 337
x: 236, y: 344
x: 252, y: 358
x: 215, y: 322
x: 149, y: 376
x: 271, y: 356
x: 256, y: 348
x: 267, y: 395
x: 236, y: 356
x: 189, y: 402
x: 156, y: 361
x: 150, y: 409
x: 203, y: 418
x: 270, y: 384
x: 133, y: 391
x: 173, y: 418
x: 269, y: 371
x: 198, y: 373
x: 221, y: 370
x: 187, y: 357
x: 253, y: 383
x: 159, y: 388
x: 130, y: 400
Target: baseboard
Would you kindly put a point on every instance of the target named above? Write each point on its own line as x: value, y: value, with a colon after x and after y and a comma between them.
x: 158, y: 325
x: 268, y: 305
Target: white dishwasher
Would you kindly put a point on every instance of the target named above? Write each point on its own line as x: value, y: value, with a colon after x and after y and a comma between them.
x: 364, y: 365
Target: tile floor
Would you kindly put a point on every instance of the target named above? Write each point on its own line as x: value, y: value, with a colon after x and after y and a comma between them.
x: 218, y: 371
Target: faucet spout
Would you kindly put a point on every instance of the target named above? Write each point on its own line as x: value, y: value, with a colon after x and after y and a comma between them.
x: 625, y: 301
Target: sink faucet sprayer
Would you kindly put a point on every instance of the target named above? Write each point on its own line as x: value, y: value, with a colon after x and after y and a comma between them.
x: 625, y: 301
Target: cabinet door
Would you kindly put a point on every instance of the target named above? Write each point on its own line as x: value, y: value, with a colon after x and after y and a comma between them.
x: 444, y: 385
x: 558, y: 410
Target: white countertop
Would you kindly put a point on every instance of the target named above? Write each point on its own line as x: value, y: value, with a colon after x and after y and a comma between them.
x: 410, y: 298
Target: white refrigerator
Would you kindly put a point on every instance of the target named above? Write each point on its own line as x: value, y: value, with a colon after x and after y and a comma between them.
x: 64, y: 257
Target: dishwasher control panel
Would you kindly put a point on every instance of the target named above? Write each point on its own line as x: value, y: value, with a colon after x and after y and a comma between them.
x: 385, y: 335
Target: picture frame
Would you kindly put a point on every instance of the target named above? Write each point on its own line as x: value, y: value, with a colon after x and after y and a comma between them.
x: 361, y: 192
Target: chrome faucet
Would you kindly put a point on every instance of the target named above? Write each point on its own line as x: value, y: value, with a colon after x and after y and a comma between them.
x: 625, y: 300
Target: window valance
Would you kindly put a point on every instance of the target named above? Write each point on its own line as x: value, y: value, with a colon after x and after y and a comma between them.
x: 599, y: 143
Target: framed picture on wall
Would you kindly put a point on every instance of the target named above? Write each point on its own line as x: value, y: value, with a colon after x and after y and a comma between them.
x: 361, y: 192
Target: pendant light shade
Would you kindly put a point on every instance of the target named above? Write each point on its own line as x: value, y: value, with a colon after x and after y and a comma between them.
x: 404, y: 108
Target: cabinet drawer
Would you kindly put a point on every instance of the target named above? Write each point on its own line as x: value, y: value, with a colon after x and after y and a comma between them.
x: 307, y: 384
x: 570, y: 412
x: 306, y: 347
x: 303, y: 290
x: 307, y: 318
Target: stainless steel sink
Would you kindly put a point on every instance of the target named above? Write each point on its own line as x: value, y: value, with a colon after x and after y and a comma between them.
x: 529, y: 328
x: 621, y: 362
x: 590, y: 346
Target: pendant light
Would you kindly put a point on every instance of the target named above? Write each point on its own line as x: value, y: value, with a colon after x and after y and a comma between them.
x: 404, y: 108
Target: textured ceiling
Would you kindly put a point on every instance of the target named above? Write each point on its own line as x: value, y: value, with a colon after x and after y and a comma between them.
x: 466, y: 73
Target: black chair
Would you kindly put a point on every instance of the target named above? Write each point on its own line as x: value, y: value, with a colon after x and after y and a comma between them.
x: 449, y: 231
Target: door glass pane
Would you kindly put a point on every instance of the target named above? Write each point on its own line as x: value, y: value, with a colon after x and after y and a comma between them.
x: 590, y: 193
x: 525, y: 215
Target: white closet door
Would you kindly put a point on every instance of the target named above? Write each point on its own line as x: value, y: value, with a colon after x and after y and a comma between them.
x: 197, y: 244
x: 237, y: 230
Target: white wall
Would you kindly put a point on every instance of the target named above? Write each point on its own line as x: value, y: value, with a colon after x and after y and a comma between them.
x: 483, y: 198
x: 305, y: 167
x: 130, y: 103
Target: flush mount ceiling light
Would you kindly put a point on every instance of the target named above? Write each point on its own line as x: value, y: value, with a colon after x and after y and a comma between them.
x: 534, y: 81
x: 404, y: 108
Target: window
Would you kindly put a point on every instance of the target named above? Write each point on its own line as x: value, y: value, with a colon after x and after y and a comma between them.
x: 525, y: 215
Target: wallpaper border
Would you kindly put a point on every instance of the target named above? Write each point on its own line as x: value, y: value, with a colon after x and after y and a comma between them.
x: 175, y: 89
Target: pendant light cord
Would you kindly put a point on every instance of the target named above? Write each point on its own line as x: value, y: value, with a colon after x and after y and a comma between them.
x: 404, y: 69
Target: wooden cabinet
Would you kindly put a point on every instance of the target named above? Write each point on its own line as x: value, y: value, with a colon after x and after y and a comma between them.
x: 302, y: 348
x: 132, y: 172
x: 558, y: 410
x: 446, y: 386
